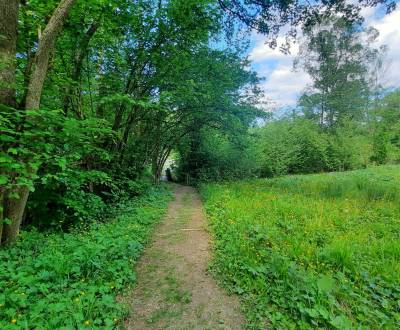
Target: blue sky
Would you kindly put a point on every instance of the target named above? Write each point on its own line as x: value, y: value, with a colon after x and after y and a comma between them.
x: 283, y: 85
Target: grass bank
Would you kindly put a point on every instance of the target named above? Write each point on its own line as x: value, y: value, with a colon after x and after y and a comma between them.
x: 311, y: 251
x: 71, y: 281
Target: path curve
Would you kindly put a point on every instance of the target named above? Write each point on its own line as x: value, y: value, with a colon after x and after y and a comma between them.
x: 174, y: 290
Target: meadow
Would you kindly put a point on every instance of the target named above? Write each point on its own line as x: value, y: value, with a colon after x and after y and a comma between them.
x: 315, y: 251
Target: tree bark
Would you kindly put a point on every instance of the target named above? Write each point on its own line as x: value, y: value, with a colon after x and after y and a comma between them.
x: 14, y: 209
x: 46, y: 46
x: 8, y: 44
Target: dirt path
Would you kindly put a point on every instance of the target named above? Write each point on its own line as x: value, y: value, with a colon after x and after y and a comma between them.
x: 174, y: 290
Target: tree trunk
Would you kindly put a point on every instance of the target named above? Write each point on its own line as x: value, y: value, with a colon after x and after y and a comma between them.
x: 72, y: 90
x: 159, y: 162
x: 8, y: 43
x: 46, y: 46
x: 14, y: 207
x: 14, y: 210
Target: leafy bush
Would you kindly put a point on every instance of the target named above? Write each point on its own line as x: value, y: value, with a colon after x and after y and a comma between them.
x: 123, y: 187
x: 315, y: 251
x: 213, y: 156
x: 296, y: 145
x: 70, y: 281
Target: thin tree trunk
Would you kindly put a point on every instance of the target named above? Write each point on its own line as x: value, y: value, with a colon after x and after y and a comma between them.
x: 8, y: 43
x: 80, y: 55
x: 14, y: 210
x: 46, y: 46
x: 14, y: 207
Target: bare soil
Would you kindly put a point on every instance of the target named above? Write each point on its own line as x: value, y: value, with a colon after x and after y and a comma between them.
x: 174, y: 290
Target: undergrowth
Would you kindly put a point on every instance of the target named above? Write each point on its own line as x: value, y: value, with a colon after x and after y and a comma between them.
x: 313, y: 251
x: 71, y: 280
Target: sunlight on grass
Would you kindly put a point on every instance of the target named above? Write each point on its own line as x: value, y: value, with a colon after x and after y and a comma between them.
x: 311, y: 251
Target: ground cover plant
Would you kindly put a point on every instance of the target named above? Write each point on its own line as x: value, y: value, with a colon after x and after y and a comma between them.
x: 311, y: 251
x: 71, y: 280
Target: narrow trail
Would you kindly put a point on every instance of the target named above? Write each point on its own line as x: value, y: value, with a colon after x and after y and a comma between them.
x: 174, y: 290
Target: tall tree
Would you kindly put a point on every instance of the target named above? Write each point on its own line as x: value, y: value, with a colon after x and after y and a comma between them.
x: 14, y: 200
x: 336, y: 54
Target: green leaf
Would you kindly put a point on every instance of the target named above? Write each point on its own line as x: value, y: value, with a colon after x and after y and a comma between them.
x: 325, y: 284
x: 3, y: 179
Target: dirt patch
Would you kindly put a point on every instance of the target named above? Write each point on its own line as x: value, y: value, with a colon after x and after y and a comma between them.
x: 174, y: 290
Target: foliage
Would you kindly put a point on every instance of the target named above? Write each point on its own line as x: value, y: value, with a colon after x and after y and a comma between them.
x: 316, y: 251
x: 269, y: 17
x: 212, y: 156
x: 291, y: 147
x: 344, y: 120
x: 386, y: 140
x: 51, y: 150
x: 337, y: 55
x: 126, y: 82
x: 297, y: 145
x: 72, y: 280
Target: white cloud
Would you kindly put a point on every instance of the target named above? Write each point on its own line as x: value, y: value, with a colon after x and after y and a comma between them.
x: 262, y: 51
x: 389, y: 34
x: 283, y: 86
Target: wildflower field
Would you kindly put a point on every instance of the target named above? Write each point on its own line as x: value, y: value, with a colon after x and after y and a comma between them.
x: 311, y: 251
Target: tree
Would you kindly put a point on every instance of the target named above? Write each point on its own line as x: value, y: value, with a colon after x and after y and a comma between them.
x: 15, y: 198
x: 336, y: 54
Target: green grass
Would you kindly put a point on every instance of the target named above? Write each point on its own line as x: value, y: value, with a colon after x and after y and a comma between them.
x: 71, y: 281
x: 312, y: 251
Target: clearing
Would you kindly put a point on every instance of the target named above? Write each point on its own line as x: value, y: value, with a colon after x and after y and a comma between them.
x: 174, y: 290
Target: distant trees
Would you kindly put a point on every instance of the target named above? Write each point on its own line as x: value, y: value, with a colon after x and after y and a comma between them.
x: 343, y: 121
x: 337, y: 55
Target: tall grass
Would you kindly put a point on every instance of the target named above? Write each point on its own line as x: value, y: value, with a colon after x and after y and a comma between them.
x: 312, y: 251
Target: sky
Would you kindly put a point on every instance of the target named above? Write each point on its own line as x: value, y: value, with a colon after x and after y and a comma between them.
x: 283, y: 85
